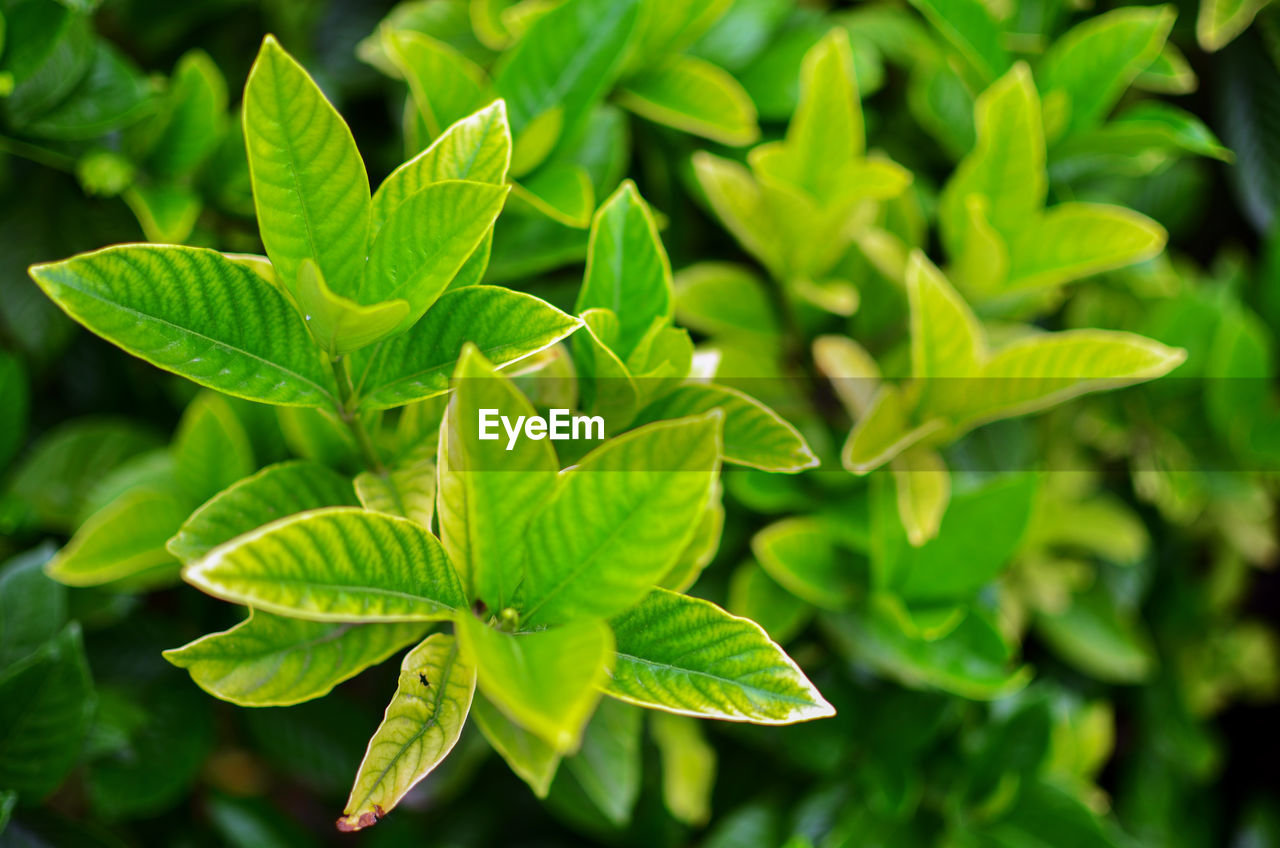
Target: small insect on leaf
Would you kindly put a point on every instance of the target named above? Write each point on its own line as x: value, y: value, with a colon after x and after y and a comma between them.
x: 422, y: 678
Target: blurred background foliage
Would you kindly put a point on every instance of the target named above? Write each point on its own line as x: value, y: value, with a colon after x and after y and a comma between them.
x: 1104, y: 666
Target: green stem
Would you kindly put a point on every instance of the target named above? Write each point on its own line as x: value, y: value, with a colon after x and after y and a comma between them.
x: 348, y: 412
x: 39, y: 155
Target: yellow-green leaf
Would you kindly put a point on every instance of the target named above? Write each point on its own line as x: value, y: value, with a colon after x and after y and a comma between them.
x: 270, y: 661
x: 336, y: 564
x: 685, y: 655
x: 421, y: 726
x: 546, y: 681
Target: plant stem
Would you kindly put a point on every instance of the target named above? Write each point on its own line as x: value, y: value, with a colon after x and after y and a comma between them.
x: 39, y: 155
x: 347, y: 411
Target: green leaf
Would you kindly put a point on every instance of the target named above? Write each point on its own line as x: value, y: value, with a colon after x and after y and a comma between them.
x: 671, y: 26
x: 567, y: 60
x: 977, y: 538
x: 739, y: 203
x: 754, y: 435
x: 194, y: 116
x: 608, y: 766
x: 1103, y: 641
x: 46, y: 703
x: 33, y: 608
x: 688, y: 767
x: 827, y: 132
x: 619, y: 519
x: 694, y: 96
x: 605, y: 382
x: 972, y: 660
x: 444, y: 84
x: 504, y: 325
x: 1006, y: 165
x: 700, y: 551
x: 969, y: 27
x: 548, y: 681
x: 407, y: 490
x: 801, y: 554
x: 270, y: 661
x: 1046, y: 369
x: 476, y: 148
x: 1170, y: 73
x: 420, y: 728
x: 1220, y: 21
x: 562, y: 191
x: 1075, y: 240
x: 1248, y: 91
x: 1032, y: 373
x: 884, y: 432
x: 946, y: 339
x: 8, y: 802
x: 336, y: 564
x: 1046, y: 814
x: 627, y: 268
x: 686, y: 655
x: 167, y: 212
x: 274, y: 492
x: 54, y: 480
x: 111, y: 95
x: 125, y: 540
x: 488, y: 494
x: 425, y: 242
x: 211, y: 449
x: 754, y: 595
x: 341, y: 325
x: 533, y: 760
x: 536, y: 141
x: 723, y: 299
x: 1097, y: 60
x: 310, y: 188
x: 196, y: 313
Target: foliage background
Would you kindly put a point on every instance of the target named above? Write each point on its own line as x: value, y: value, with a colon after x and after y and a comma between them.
x: 1181, y: 751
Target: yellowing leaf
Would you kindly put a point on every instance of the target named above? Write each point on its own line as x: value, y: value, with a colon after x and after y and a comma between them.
x: 827, y: 131
x: 125, y: 540
x: 1220, y: 21
x: 420, y: 728
x: 688, y: 767
x: 1006, y: 165
x: 924, y: 489
x: 1074, y: 240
